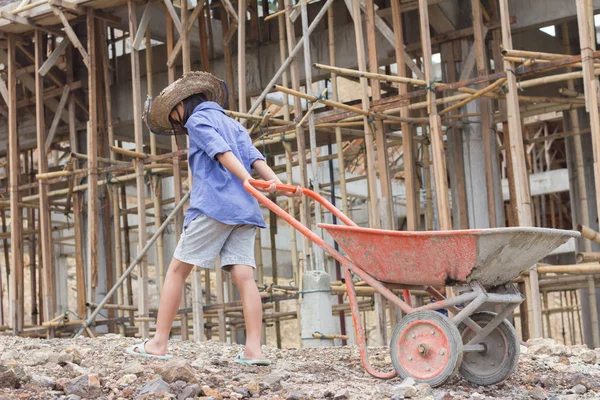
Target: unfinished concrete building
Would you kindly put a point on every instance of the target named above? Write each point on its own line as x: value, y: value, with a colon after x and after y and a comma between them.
x: 408, y: 115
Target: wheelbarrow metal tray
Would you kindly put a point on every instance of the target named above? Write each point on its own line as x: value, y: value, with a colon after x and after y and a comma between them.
x: 445, y: 258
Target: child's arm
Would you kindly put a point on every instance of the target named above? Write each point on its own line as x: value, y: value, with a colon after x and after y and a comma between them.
x: 229, y: 161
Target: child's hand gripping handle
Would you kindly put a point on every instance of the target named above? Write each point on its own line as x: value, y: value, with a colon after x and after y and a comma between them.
x: 280, y: 187
x: 252, y: 184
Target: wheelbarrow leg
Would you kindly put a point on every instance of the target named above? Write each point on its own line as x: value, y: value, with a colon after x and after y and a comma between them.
x: 360, y: 332
x: 407, y: 300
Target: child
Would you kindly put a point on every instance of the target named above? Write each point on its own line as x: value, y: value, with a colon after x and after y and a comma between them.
x: 223, y: 216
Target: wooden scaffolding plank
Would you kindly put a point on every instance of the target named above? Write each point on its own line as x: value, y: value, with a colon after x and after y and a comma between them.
x: 56, y: 53
x: 61, y: 106
x: 73, y: 36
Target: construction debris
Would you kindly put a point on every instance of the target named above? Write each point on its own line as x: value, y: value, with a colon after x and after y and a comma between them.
x: 84, y: 368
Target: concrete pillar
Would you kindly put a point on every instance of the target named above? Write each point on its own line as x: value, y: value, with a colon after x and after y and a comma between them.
x: 316, y: 308
x: 477, y: 208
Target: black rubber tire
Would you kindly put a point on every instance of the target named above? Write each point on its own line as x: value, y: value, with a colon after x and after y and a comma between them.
x: 454, y: 350
x: 501, y: 357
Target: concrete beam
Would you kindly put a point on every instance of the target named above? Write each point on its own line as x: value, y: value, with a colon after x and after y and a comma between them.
x: 532, y: 13
x: 543, y: 183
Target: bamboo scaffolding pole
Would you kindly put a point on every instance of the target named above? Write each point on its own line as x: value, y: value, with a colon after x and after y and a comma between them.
x: 522, y: 205
x: 410, y: 178
x: 156, y: 181
x: 295, y: 255
x: 319, y: 254
x: 574, y: 269
x: 100, y: 159
x: 107, y: 306
x: 488, y: 135
x: 16, y: 256
x: 583, y: 202
x: 77, y: 201
x: 551, y: 311
x: 282, y: 11
x: 197, y: 311
x: 437, y: 147
x: 521, y: 54
x: 228, y: 62
x: 293, y: 49
x: 139, y: 168
x: 107, y: 181
x: 587, y: 257
x: 177, y: 189
x: 46, y: 258
x: 543, y: 61
x: 589, y: 234
x: 587, y: 39
x: 28, y: 7
x: 374, y: 216
x: 272, y: 240
x: 385, y: 201
x: 370, y: 75
x: 129, y: 153
x: 474, y: 96
x: 92, y: 151
x: 291, y: 61
x: 386, y: 211
x: 339, y: 150
x: 330, y: 103
x: 242, y: 105
x: 546, y: 313
x: 558, y: 136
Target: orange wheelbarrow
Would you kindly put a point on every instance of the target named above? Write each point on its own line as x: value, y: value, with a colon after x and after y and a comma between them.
x: 480, y: 264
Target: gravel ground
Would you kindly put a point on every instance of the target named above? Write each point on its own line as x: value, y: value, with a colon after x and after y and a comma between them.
x: 98, y: 369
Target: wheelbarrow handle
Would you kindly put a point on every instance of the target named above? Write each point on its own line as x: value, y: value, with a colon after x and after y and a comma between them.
x: 251, y: 184
x: 280, y: 187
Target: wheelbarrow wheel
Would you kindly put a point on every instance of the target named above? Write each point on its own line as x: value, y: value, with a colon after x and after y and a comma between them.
x: 499, y: 359
x: 427, y: 347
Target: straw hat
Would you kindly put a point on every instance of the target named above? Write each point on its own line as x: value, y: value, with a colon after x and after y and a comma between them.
x: 157, y: 110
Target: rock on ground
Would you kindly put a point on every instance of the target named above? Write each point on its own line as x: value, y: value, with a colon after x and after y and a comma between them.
x: 99, y: 369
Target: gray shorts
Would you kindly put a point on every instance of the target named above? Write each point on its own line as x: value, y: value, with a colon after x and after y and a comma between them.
x: 205, y: 238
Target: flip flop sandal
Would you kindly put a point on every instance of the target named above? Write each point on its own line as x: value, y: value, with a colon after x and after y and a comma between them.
x: 240, y: 359
x: 140, y: 351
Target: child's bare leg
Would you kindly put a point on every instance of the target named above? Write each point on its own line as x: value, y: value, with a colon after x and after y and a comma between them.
x: 243, y: 279
x: 170, y: 299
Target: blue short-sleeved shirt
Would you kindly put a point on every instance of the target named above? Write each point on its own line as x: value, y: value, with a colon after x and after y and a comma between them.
x: 216, y: 192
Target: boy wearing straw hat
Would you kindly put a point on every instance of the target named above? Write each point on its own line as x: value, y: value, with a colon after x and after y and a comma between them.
x: 222, y: 217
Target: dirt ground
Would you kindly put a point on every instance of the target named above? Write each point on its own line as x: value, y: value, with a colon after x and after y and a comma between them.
x: 98, y: 369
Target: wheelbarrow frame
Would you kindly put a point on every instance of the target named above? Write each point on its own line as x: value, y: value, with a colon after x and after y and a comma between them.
x: 474, y: 296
